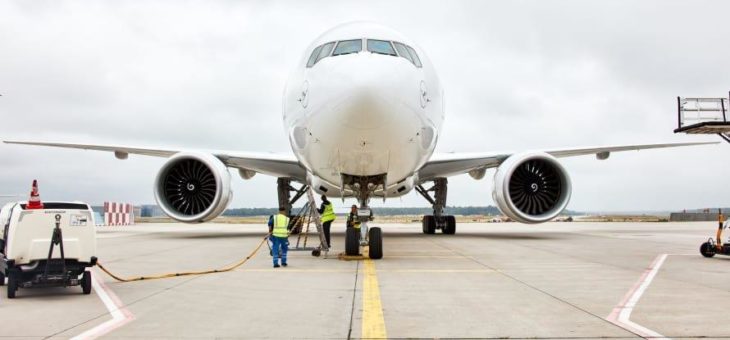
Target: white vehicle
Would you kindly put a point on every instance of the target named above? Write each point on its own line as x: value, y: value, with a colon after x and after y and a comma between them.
x: 363, y: 110
x: 26, y: 241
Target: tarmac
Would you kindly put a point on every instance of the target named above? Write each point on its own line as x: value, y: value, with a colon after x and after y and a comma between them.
x: 499, y: 280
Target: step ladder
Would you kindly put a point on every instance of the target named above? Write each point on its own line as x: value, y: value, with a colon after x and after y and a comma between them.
x: 697, y: 115
x: 310, y: 214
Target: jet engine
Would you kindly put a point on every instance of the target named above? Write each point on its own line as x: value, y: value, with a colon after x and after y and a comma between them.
x: 193, y: 187
x: 531, y: 187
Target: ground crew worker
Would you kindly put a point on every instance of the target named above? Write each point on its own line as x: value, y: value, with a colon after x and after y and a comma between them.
x: 279, y: 237
x: 353, y: 221
x: 327, y: 213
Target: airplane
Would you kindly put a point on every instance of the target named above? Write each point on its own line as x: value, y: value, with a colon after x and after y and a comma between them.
x: 363, y: 111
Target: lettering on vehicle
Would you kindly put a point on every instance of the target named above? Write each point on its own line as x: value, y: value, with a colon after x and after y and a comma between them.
x: 79, y: 220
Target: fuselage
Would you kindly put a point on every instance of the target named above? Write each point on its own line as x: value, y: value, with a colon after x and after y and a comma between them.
x: 360, y: 104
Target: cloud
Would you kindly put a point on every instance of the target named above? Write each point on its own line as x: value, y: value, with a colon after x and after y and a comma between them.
x: 518, y: 75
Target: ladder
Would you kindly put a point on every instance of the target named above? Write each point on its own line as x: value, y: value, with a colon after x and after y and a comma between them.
x: 310, y: 213
x: 314, y: 215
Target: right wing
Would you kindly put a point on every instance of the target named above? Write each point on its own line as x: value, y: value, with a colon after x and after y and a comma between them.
x: 277, y: 165
x: 452, y: 164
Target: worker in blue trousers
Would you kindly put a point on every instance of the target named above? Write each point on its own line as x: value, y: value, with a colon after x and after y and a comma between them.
x: 279, y: 236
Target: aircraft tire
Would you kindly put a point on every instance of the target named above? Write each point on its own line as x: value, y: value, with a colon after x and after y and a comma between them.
x: 450, y: 228
x: 375, y: 250
x: 429, y: 224
x: 352, y: 242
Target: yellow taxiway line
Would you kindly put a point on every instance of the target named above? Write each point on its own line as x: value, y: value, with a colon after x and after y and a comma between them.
x: 373, y: 323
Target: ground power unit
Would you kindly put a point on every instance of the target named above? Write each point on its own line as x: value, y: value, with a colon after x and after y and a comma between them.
x: 49, y: 246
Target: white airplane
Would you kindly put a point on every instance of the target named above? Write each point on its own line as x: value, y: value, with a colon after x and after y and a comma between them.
x: 363, y: 110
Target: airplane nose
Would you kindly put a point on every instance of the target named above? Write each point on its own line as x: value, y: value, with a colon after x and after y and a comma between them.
x: 372, y: 91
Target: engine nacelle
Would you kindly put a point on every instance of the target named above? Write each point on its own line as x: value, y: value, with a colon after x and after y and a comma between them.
x: 531, y: 187
x: 193, y: 187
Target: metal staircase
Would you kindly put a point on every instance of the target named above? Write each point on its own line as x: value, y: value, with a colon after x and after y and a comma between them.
x: 303, y: 220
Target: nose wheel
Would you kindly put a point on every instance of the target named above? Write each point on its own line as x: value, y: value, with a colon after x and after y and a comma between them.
x: 374, y: 242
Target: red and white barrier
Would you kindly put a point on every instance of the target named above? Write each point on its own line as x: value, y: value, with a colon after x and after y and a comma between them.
x: 118, y: 213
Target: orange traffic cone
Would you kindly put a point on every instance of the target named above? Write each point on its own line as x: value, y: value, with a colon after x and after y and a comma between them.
x: 34, y: 202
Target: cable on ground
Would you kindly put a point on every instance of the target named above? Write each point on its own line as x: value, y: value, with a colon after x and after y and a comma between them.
x: 171, y: 275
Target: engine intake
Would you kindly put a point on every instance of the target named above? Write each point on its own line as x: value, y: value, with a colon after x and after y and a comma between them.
x: 193, y: 187
x: 531, y: 187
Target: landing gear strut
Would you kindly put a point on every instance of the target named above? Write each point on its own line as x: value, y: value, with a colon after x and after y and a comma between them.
x: 430, y: 223
x: 284, y: 190
x: 373, y: 237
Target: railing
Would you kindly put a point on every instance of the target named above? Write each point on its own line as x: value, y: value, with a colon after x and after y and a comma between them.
x: 692, y: 111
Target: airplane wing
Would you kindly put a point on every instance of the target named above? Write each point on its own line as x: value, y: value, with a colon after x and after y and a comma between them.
x: 279, y: 165
x: 452, y: 164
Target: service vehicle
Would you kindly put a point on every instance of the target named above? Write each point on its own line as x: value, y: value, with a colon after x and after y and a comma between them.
x: 47, y: 247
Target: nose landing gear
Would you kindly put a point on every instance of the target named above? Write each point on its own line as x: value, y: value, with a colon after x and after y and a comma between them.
x: 364, y: 187
x: 372, y: 237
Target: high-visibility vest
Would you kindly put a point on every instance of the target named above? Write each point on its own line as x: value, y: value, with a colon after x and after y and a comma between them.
x: 328, y: 214
x: 281, y: 222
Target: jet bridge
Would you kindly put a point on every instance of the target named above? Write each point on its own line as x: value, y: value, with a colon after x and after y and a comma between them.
x: 703, y: 116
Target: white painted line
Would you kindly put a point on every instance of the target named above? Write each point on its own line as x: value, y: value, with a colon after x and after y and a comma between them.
x: 120, y: 314
x: 621, y: 314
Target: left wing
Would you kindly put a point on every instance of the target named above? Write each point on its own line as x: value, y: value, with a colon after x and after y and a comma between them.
x: 266, y: 163
x: 452, y: 164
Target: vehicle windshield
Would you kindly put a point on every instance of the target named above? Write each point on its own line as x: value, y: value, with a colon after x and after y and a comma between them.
x: 381, y: 47
x: 348, y: 46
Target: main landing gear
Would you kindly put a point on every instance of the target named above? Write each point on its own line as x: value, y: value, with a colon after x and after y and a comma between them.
x: 431, y: 223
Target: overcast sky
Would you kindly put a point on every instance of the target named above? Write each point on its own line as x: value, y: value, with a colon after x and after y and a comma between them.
x: 517, y: 75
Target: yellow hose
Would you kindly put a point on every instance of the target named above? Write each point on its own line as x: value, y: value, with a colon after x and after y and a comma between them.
x: 169, y: 275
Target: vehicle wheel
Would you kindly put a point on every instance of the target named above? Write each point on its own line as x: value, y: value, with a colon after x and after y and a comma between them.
x: 375, y: 243
x: 429, y: 224
x: 12, y: 285
x: 450, y: 228
x: 316, y: 252
x: 707, y: 250
x: 86, y: 282
x: 352, y: 241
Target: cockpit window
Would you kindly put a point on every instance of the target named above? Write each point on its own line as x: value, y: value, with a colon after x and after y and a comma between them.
x: 313, y: 57
x: 416, y: 60
x: 348, y: 46
x: 325, y: 52
x: 403, y: 51
x: 319, y: 53
x: 380, y: 47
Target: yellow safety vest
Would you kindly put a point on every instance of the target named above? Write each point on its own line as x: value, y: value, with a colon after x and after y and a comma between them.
x: 328, y: 214
x: 280, y: 224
